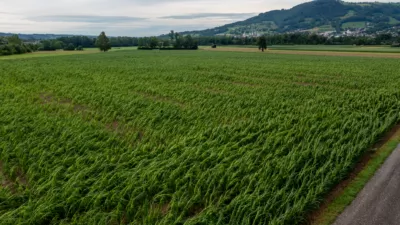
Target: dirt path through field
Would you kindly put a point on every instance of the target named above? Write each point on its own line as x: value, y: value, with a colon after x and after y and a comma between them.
x: 318, y: 53
x: 379, y: 202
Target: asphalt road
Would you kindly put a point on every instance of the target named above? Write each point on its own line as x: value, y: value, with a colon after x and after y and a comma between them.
x: 379, y: 202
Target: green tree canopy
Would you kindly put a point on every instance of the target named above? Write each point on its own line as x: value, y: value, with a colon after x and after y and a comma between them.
x: 3, y: 41
x: 14, y: 39
x: 166, y: 43
x: 178, y: 41
x: 70, y: 47
x: 57, y: 44
x: 262, y: 43
x: 102, y: 42
x: 153, y: 42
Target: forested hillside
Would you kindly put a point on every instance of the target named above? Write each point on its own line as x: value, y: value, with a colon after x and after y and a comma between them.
x: 319, y: 16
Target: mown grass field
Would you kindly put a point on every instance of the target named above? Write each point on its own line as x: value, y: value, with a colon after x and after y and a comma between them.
x: 62, y: 53
x: 331, y: 48
x: 185, y: 137
x: 354, y: 25
x: 339, y: 48
x: 284, y: 48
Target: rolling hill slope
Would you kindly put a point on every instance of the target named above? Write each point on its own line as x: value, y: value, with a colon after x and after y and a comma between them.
x: 318, y: 16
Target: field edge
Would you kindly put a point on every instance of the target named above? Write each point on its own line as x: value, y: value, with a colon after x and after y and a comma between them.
x: 340, y: 53
x: 347, y: 190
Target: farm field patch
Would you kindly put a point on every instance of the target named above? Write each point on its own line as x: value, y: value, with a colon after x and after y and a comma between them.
x: 354, y: 25
x: 185, y: 137
x: 312, y: 48
x: 317, y: 52
x: 338, y: 48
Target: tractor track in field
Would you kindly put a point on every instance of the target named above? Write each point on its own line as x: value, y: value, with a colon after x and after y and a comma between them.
x: 315, y: 53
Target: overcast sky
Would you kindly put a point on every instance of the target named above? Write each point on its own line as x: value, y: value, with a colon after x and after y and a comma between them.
x: 128, y: 17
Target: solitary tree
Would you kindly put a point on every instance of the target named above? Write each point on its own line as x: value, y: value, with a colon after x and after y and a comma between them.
x: 262, y: 43
x: 103, y: 43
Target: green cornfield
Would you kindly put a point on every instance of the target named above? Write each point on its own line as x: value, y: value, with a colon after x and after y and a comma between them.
x: 183, y: 137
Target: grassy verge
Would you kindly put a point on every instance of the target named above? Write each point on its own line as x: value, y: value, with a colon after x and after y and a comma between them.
x: 331, y: 209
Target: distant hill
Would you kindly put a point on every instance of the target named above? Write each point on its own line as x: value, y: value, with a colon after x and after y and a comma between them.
x: 39, y: 36
x: 319, y: 16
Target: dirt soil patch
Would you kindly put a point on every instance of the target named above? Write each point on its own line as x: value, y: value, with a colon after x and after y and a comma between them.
x: 48, y: 99
x: 124, y: 130
x: 7, y: 182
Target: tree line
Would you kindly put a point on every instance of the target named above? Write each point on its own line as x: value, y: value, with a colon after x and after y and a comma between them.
x: 56, y: 44
x: 80, y: 42
x: 177, y: 41
x: 14, y: 45
x: 173, y: 41
x: 302, y: 39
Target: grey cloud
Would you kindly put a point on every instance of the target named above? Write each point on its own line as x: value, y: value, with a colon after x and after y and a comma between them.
x: 209, y: 15
x: 85, y: 18
x: 149, y: 30
x: 158, y: 2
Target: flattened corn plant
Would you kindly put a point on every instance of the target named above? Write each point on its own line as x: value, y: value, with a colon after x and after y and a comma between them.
x: 136, y: 137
